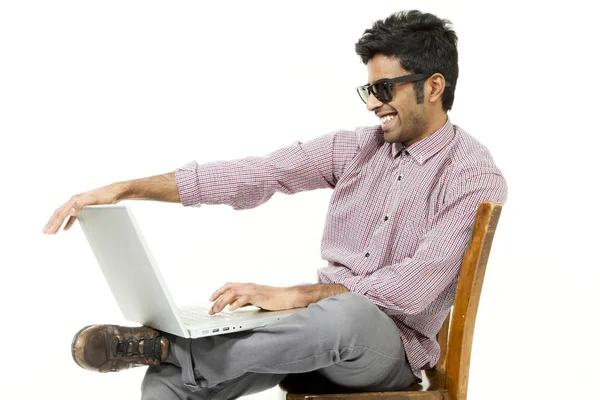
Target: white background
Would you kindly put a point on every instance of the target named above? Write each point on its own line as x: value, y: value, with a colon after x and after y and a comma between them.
x: 96, y: 92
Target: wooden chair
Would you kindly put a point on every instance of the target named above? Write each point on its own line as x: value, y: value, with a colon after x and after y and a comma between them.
x: 449, y: 379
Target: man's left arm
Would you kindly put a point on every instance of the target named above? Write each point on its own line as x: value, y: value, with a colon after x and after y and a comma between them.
x: 237, y: 295
x: 407, y: 287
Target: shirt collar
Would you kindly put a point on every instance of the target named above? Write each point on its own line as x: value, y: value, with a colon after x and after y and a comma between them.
x: 426, y: 148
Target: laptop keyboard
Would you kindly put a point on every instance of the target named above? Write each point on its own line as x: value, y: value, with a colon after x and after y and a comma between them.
x: 194, y: 315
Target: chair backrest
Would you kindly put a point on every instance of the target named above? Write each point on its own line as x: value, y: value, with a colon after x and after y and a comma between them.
x: 456, y: 335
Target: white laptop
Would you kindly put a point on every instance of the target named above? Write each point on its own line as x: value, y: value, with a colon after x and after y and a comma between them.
x: 138, y: 287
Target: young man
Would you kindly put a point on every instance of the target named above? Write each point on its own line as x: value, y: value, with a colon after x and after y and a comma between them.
x: 404, y: 197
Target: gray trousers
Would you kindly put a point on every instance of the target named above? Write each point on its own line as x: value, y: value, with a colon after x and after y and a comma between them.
x: 344, y: 342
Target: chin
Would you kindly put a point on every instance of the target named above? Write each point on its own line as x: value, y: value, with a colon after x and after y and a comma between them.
x: 391, y: 137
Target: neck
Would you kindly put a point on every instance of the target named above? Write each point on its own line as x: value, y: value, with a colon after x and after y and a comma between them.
x: 434, y: 124
x: 437, y: 122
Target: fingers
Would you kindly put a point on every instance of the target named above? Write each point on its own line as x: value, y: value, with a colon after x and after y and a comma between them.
x: 228, y: 298
x: 70, y: 223
x: 220, y: 291
x: 240, y: 302
x: 68, y: 210
x: 234, y: 295
x: 56, y: 220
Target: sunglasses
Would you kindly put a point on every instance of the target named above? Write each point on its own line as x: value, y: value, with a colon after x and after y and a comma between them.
x: 382, y: 89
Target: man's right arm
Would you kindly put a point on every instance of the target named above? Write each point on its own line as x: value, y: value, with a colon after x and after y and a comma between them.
x: 241, y: 184
x: 158, y: 188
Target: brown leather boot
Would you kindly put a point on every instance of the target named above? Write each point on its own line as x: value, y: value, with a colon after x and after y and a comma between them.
x: 111, y: 348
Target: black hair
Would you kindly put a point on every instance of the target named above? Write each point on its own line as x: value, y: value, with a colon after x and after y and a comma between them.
x: 424, y: 44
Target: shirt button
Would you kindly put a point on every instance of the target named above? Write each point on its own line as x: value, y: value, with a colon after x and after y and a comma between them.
x: 386, y: 218
x: 367, y: 255
x: 400, y: 177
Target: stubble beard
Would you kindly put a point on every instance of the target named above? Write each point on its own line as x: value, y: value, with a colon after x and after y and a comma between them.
x: 413, y: 128
x: 407, y: 131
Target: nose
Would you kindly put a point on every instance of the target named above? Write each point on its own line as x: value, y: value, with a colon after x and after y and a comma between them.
x: 373, y: 103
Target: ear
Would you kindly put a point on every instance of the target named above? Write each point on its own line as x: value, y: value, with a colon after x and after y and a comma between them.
x: 434, y: 87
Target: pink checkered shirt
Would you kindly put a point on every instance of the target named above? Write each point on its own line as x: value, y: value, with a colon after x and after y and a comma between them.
x: 399, y: 219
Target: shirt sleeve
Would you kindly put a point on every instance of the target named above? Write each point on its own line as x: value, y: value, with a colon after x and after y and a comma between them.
x: 249, y: 182
x: 410, y: 286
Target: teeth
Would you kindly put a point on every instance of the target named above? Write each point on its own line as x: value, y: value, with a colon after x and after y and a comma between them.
x: 386, y: 118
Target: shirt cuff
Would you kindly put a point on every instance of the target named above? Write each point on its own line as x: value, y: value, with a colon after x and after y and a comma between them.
x: 188, y: 184
x: 357, y: 284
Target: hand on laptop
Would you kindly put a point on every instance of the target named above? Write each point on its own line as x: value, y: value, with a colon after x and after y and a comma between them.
x: 104, y: 195
x: 238, y: 295
x: 158, y: 187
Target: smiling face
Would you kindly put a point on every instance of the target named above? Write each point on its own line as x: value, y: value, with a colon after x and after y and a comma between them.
x: 402, y: 119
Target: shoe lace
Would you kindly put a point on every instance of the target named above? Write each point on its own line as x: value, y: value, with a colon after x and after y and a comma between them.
x: 130, y: 347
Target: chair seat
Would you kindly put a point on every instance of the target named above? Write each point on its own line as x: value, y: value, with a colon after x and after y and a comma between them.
x: 432, y: 388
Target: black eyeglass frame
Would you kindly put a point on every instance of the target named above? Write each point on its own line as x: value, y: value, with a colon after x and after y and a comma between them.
x: 385, y: 94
